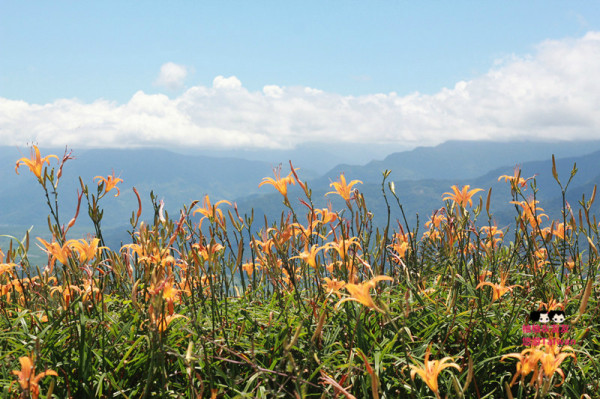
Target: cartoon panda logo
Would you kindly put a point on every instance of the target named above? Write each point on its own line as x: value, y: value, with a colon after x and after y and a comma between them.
x: 557, y: 316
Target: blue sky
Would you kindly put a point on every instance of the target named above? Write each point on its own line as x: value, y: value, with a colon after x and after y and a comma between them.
x: 276, y: 74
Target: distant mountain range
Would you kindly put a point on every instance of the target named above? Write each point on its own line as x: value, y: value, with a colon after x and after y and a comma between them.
x: 421, y: 177
x: 462, y: 159
x: 424, y: 196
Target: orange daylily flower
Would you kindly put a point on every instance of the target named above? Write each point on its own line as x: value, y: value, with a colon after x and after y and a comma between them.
x: 284, y: 233
x: 280, y: 183
x: 35, y: 163
x: 552, y: 304
x: 41, y: 317
x: 530, y: 211
x: 170, y: 294
x: 360, y: 292
x: 483, y: 275
x: 67, y: 293
x: 265, y: 246
x: 540, y: 258
x: 400, y: 244
x: 550, y: 359
x: 138, y: 249
x: 7, y: 268
x: 491, y: 232
x: 18, y: 285
x: 462, y: 197
x: 553, y: 357
x: 57, y: 252
x: 570, y: 264
x: 86, y: 250
x: 342, y: 188
x: 211, y: 211
x: 110, y: 182
x: 560, y: 230
x: 162, y: 322
x: 528, y: 362
x: 430, y: 371
x: 249, y: 267
x: 498, y: 290
x: 28, y: 380
x: 432, y: 235
x: 327, y: 215
x: 91, y: 292
x: 436, y: 219
x: 309, y: 256
x: 306, y: 232
x: 333, y: 286
x: 516, y: 179
x: 400, y: 248
x: 208, y: 252
x: 343, y: 245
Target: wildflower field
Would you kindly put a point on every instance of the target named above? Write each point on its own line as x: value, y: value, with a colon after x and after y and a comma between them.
x: 317, y: 303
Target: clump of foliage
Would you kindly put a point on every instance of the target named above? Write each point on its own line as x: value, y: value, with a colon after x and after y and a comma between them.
x: 319, y: 303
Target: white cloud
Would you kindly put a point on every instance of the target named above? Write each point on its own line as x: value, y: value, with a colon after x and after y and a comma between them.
x: 551, y: 94
x: 273, y: 91
x: 172, y: 76
x: 221, y: 82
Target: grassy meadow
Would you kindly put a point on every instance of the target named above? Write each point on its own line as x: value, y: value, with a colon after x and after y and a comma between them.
x: 316, y: 303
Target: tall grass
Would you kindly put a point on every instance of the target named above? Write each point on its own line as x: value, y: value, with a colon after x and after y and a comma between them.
x: 316, y: 303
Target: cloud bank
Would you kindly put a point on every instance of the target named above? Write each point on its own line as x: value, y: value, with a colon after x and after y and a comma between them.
x: 552, y: 94
x: 172, y: 76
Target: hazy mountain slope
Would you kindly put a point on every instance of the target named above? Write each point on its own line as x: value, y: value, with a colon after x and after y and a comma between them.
x: 177, y: 178
x: 315, y: 159
x: 460, y: 159
x: 422, y: 197
x: 180, y: 179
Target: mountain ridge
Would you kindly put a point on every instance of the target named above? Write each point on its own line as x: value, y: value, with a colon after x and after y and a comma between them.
x: 179, y: 179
